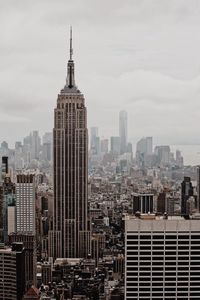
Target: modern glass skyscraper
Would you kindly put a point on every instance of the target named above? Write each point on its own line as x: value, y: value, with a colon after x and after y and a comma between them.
x: 123, y: 131
x: 71, y: 234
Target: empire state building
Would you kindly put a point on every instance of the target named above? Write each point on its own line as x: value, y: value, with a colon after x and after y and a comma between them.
x: 71, y: 232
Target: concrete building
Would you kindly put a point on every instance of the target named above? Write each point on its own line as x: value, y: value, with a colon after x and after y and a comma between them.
x: 71, y: 236
x: 46, y: 272
x: 162, y: 258
x: 9, y: 208
x: 12, y: 272
x: 29, y: 245
x: 25, y: 204
x: 11, y: 219
x: 143, y: 203
x: 186, y: 193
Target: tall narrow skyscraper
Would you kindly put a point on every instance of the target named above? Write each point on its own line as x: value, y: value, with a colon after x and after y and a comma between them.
x: 71, y: 236
x: 123, y: 131
x: 25, y: 203
x: 186, y: 193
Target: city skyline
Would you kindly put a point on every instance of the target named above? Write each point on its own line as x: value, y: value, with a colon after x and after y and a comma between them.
x: 156, y: 56
x: 110, y: 208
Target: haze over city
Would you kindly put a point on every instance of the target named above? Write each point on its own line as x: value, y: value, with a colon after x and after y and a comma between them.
x: 141, y: 56
x: 100, y: 150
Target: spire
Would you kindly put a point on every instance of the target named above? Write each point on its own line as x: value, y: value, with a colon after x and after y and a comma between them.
x: 70, y: 86
x: 70, y: 66
x: 71, y: 49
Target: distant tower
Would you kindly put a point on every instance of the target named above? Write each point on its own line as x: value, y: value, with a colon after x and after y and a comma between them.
x: 186, y: 192
x: 35, y: 145
x: 71, y: 235
x: 93, y: 137
x: 115, y: 145
x: 123, y: 131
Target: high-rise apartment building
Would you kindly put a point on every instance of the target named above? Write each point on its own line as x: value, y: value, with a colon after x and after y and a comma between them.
x: 29, y: 245
x: 123, y: 131
x: 71, y: 236
x: 12, y: 272
x: 25, y: 204
x: 7, y: 198
x: 162, y: 258
x: 9, y: 207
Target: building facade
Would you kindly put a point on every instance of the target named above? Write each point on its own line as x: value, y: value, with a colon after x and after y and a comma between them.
x: 143, y: 203
x: 12, y: 272
x: 186, y: 193
x: 162, y: 259
x: 71, y: 235
x: 25, y: 204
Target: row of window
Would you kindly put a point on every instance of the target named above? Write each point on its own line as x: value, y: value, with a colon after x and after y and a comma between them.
x: 174, y: 237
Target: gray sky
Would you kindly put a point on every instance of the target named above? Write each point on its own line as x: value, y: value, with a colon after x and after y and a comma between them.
x: 139, y: 55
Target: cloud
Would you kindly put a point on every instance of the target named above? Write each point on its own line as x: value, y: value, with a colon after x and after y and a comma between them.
x: 138, y: 55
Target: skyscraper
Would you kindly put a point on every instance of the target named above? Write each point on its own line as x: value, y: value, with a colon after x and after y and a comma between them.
x: 9, y: 207
x: 12, y: 271
x: 93, y: 137
x: 161, y: 258
x: 35, y: 145
x: 71, y: 236
x: 123, y: 131
x: 186, y: 192
x: 143, y: 150
x: 163, y: 155
x: 25, y: 203
x: 115, y: 144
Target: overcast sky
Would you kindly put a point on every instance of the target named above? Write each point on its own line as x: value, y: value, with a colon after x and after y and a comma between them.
x: 142, y: 56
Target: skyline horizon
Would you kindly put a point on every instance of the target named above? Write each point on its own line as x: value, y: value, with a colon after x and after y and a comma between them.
x: 154, y: 75
x: 190, y: 152
x: 132, y: 140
